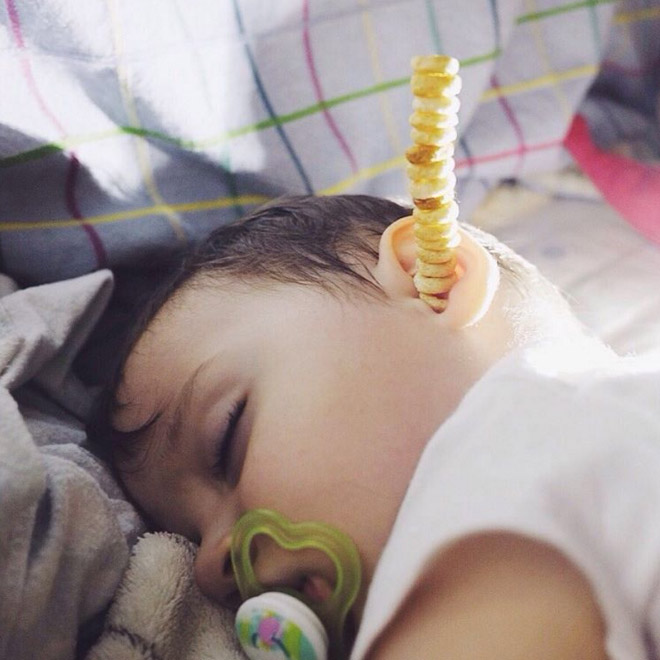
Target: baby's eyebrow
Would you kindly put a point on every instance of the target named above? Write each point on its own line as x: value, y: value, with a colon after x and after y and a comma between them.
x: 182, y: 404
x: 158, y: 426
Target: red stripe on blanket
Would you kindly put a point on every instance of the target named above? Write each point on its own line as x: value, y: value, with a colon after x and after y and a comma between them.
x: 74, y: 163
x: 515, y: 125
x: 631, y: 187
x: 318, y: 90
x: 26, y: 69
x: 471, y: 161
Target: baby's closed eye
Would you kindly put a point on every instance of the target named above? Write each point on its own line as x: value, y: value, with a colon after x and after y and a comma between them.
x: 229, y: 453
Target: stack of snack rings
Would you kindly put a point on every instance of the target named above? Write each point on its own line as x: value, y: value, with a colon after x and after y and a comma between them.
x: 435, y: 86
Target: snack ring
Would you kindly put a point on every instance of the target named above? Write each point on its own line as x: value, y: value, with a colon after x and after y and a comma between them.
x: 435, y: 86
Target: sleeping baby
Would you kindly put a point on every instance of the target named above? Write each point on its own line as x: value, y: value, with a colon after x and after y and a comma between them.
x: 496, y: 468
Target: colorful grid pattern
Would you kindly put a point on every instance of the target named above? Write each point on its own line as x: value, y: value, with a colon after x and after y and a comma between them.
x: 129, y: 130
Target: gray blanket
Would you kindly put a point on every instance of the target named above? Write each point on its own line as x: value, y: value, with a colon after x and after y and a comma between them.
x: 65, y: 527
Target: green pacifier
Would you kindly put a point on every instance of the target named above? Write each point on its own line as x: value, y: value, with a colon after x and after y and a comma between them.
x: 283, y: 622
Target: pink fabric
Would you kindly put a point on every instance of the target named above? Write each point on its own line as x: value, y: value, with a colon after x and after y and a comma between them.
x: 630, y: 186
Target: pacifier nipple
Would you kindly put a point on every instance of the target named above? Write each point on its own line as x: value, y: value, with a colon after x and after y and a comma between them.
x: 276, y: 625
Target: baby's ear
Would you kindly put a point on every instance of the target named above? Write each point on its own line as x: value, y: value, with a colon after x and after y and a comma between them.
x: 470, y: 297
x: 396, y: 259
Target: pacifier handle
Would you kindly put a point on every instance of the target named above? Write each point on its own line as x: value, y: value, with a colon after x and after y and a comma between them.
x: 276, y: 625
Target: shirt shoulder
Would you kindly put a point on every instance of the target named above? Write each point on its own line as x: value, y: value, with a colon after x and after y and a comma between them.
x: 569, y: 457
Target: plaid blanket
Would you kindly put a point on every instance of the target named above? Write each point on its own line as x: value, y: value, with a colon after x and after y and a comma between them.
x: 128, y: 130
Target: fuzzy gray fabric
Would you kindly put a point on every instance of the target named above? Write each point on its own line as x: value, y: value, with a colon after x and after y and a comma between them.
x: 65, y: 529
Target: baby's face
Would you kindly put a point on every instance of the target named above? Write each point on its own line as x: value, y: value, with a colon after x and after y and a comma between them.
x: 290, y: 399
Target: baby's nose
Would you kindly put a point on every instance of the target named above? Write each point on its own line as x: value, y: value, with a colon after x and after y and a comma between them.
x: 214, y: 573
x: 306, y: 570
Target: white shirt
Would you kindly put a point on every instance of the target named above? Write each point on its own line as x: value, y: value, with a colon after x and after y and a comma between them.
x: 567, y: 455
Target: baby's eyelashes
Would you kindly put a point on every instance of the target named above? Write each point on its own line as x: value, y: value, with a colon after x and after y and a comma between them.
x: 228, y: 459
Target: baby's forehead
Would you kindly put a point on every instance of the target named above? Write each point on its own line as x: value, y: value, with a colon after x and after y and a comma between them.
x: 171, y: 330
x: 151, y: 370
x: 169, y: 347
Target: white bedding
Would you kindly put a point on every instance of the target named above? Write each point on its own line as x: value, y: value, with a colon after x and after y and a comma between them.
x: 609, y: 272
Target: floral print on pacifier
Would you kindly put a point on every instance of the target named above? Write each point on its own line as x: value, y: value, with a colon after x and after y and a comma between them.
x: 285, y: 623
